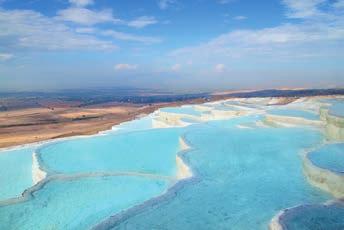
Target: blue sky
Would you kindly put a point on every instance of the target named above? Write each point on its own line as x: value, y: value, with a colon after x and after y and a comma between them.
x: 171, y: 44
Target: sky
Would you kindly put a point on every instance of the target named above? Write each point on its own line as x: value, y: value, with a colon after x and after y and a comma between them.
x: 179, y: 45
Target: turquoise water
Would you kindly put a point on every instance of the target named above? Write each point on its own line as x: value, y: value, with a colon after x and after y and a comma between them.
x: 337, y: 109
x: 244, y: 104
x: 189, y: 120
x: 315, y: 217
x: 245, y: 178
x: 329, y: 157
x: 143, y: 123
x: 188, y: 110
x: 294, y: 113
x: 15, y: 172
x: 78, y: 204
x: 225, y: 108
x: 150, y: 151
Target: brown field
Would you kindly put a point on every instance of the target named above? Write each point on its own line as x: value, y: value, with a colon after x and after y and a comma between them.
x: 57, y: 120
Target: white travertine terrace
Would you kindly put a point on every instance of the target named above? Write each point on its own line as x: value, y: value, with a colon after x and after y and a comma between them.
x: 324, y: 179
x: 202, y: 108
x: 183, y: 145
x: 275, y: 223
x: 334, y: 127
x: 158, y: 124
x: 37, y: 173
x: 183, y: 171
x: 166, y: 119
x: 287, y: 121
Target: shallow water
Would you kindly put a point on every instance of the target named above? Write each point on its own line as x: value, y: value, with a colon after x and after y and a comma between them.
x: 245, y: 179
x: 143, y: 123
x: 151, y: 151
x: 315, y: 217
x: 188, y: 110
x: 15, y: 172
x: 337, y: 109
x: 294, y: 113
x: 78, y: 204
x: 329, y: 157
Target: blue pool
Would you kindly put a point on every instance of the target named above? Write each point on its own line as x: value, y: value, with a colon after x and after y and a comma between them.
x: 309, y: 217
x: 294, y: 113
x: 152, y: 151
x: 15, y: 172
x: 78, y: 204
x: 337, y: 109
x: 241, y: 179
x: 188, y: 110
x: 329, y: 157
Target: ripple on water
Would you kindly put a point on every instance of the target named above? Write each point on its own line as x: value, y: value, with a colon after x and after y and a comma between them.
x: 150, y: 151
x: 245, y: 178
x: 79, y: 204
x: 330, y: 157
x: 15, y: 172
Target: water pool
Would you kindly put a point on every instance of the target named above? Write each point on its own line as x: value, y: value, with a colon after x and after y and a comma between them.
x: 337, y: 109
x: 151, y: 151
x: 329, y: 157
x: 188, y: 110
x: 329, y: 217
x: 139, y: 124
x: 244, y: 179
x: 15, y: 172
x: 294, y: 113
x: 189, y: 120
x: 78, y: 204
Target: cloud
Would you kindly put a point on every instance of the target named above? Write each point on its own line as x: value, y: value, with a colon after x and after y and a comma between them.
x: 86, y: 30
x: 240, y: 17
x: 176, y: 67
x: 130, y: 37
x: 302, y: 8
x: 339, y: 4
x: 164, y: 4
x: 123, y: 67
x: 5, y: 56
x: 81, y: 3
x: 219, y: 68
x: 315, y: 36
x: 142, y: 22
x: 27, y: 29
x: 87, y: 17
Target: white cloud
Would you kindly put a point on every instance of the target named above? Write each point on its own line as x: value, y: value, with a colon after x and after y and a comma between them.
x: 311, y: 39
x: 81, y: 3
x: 123, y: 66
x: 164, y: 4
x: 219, y: 68
x: 86, y: 30
x: 293, y: 40
x: 339, y: 4
x: 302, y: 8
x: 27, y: 29
x: 240, y: 17
x: 87, y: 17
x: 130, y: 37
x: 5, y: 56
x: 142, y: 22
x: 176, y: 67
